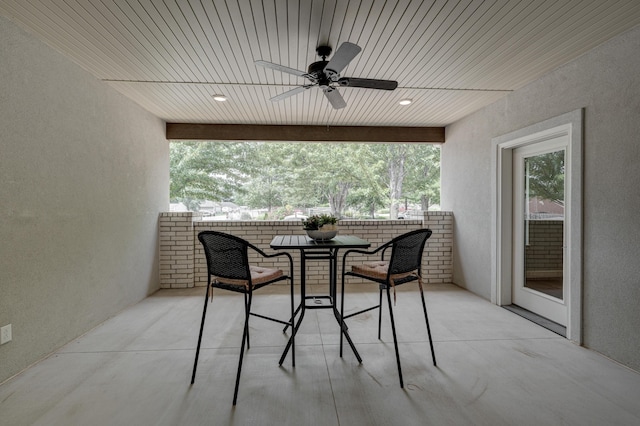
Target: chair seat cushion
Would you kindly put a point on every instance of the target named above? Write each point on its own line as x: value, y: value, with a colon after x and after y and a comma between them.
x: 259, y: 275
x: 378, y: 270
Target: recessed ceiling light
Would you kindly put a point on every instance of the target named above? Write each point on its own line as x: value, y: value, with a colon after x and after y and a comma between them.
x: 405, y: 101
x: 219, y: 98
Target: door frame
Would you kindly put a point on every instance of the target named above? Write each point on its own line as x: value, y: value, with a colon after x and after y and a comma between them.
x: 570, y: 125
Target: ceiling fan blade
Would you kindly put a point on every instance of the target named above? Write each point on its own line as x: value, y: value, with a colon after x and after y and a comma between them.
x: 335, y: 98
x: 345, y: 54
x: 291, y: 92
x: 368, y: 83
x: 282, y: 68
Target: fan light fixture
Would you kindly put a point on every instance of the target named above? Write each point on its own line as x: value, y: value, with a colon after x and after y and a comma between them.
x: 219, y: 98
x: 405, y: 102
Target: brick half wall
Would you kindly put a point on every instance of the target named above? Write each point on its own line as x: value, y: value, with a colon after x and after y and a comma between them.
x: 183, y: 264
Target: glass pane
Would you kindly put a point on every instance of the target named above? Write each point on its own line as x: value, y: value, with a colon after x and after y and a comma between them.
x: 544, y: 223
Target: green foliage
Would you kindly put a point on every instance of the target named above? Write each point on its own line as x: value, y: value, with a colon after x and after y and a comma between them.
x: 546, y: 176
x: 317, y: 221
x: 422, y: 181
x: 271, y: 178
x: 207, y: 171
x: 279, y: 213
x: 324, y: 173
x: 345, y: 176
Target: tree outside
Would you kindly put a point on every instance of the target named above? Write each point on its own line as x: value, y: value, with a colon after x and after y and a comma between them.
x: 546, y: 176
x: 349, y: 179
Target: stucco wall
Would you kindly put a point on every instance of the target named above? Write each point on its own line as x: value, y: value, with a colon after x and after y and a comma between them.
x: 606, y: 83
x: 83, y: 176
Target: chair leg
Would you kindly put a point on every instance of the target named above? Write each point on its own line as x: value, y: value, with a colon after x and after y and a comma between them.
x: 204, y: 314
x: 245, y: 338
x: 424, y: 308
x: 293, y: 329
x: 246, y: 312
x: 380, y: 313
x: 342, y: 315
x: 292, y: 320
x: 395, y: 340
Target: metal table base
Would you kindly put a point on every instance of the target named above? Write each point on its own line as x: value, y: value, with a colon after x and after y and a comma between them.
x: 318, y: 250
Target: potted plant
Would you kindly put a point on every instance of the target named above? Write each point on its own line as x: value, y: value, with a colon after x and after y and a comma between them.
x: 321, y: 226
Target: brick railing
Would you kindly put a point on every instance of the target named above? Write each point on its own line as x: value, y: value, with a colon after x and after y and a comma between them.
x: 545, y: 249
x: 182, y: 261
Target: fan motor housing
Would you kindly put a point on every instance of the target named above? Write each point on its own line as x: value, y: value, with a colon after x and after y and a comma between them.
x: 317, y: 68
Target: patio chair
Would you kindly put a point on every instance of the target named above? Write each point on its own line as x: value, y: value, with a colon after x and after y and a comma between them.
x: 229, y: 269
x: 403, y: 266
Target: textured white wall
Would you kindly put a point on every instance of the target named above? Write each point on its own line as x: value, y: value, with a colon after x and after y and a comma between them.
x: 606, y: 82
x: 84, y: 173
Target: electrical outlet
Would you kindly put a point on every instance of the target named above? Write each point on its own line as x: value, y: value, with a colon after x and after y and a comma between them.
x: 5, y: 334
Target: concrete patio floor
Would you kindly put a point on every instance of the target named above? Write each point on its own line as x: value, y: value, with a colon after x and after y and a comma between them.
x: 494, y: 368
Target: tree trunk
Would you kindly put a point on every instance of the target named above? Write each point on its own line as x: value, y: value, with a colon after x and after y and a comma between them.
x: 424, y: 203
x: 396, y: 176
x: 338, y: 199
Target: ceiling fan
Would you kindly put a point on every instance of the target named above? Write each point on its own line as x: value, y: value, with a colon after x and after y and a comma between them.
x: 326, y: 75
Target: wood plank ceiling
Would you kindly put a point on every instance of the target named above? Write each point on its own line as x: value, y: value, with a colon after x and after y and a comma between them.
x: 450, y: 57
